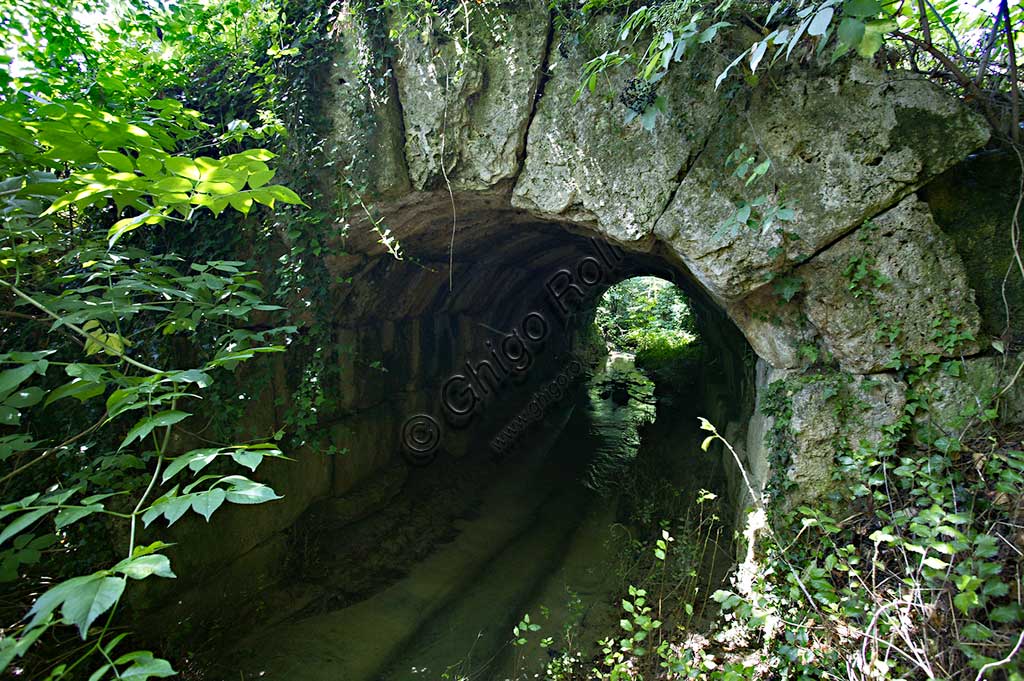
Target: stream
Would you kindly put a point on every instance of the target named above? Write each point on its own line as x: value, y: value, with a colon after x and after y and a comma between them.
x: 540, y: 539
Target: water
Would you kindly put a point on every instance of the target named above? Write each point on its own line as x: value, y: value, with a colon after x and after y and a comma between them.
x: 540, y: 540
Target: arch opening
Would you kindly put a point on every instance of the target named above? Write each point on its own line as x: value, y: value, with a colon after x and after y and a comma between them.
x: 435, y: 534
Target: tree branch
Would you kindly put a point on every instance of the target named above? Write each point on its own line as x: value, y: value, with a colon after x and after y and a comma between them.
x: 88, y: 336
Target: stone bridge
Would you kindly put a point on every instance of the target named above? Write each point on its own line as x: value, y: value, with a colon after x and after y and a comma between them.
x: 496, y: 184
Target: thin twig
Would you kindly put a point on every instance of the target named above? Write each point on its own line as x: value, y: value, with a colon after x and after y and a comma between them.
x: 88, y: 336
x: 966, y: 82
x: 757, y: 500
x: 1014, y: 86
x: 1000, y: 663
x: 50, y: 452
x: 926, y: 29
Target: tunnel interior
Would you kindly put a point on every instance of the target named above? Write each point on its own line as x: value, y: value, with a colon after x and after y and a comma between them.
x: 494, y: 461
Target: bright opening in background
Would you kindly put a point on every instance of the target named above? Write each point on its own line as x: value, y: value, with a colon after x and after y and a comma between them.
x: 646, y: 315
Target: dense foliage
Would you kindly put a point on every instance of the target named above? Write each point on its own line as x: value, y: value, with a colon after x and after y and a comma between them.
x: 112, y: 333
x: 970, y: 47
x: 644, y: 312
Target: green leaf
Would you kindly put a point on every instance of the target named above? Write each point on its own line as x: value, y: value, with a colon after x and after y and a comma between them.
x: 117, y: 161
x: 286, y: 195
x: 1006, y: 614
x: 851, y: 31
x: 171, y: 185
x: 17, y: 646
x: 78, y: 388
x: 821, y: 20
x: 205, y: 503
x: 144, y: 666
x: 25, y: 398
x: 145, y: 426
x: 249, y: 459
x: 23, y: 522
x: 170, y: 506
x: 150, y: 165
x: 141, y: 567
x: 200, y: 378
x: 66, y: 516
x: 90, y: 599
x: 965, y: 601
x: 12, y: 378
x: 870, y: 43
x: 183, y: 167
x: 245, y: 491
x: 13, y: 444
x: 125, y: 225
x: 862, y: 8
x: 261, y: 177
x: 9, y: 416
x: 241, y: 202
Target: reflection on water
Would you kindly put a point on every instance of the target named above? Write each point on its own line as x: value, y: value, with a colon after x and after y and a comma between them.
x: 620, y: 400
x: 537, y: 543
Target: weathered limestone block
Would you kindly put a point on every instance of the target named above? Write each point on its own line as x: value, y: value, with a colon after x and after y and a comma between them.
x: 775, y: 328
x: 584, y: 163
x: 844, y: 145
x: 819, y: 431
x: 963, y: 390
x: 466, y: 111
x: 366, y: 126
x: 912, y: 280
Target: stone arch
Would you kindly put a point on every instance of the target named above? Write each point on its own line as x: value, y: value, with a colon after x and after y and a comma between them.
x: 427, y: 323
x: 494, y: 136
